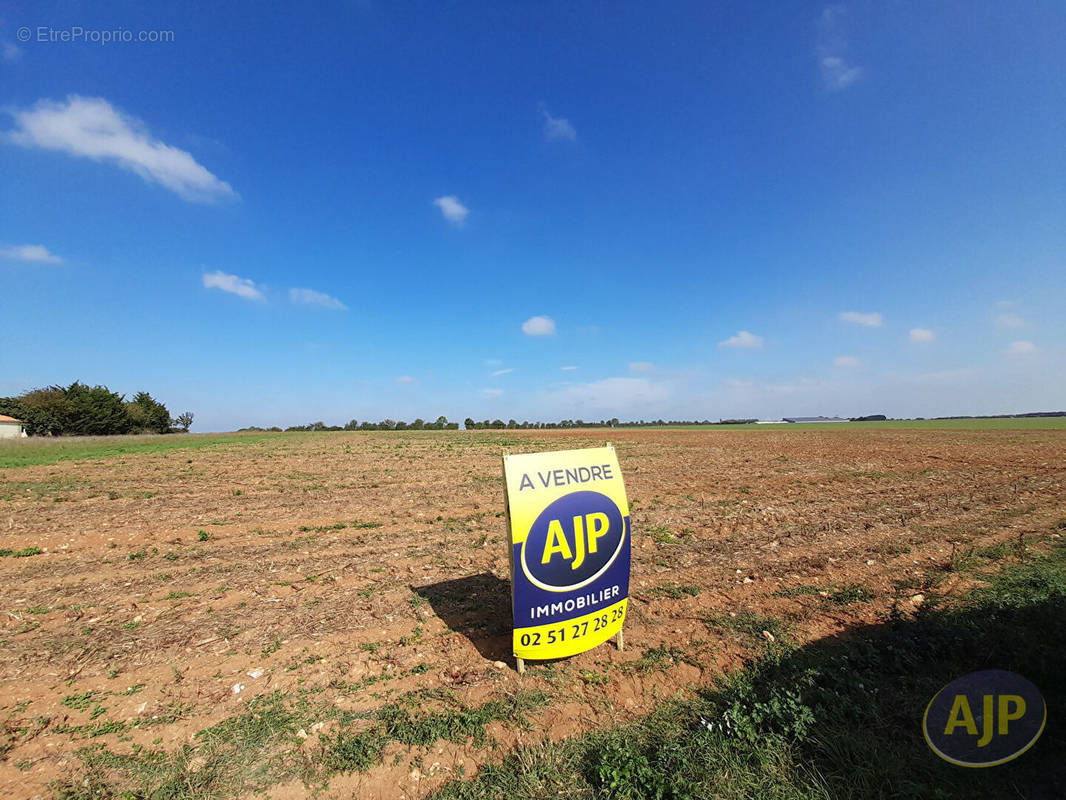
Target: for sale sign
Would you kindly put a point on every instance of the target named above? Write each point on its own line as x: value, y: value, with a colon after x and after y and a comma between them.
x: 570, y: 533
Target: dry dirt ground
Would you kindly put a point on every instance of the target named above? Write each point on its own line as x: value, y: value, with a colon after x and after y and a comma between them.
x: 355, y: 569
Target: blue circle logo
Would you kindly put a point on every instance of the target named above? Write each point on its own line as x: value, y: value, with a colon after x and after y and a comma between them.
x: 573, y: 541
x: 984, y: 718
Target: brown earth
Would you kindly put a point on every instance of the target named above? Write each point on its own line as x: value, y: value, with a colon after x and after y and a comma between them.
x: 355, y: 568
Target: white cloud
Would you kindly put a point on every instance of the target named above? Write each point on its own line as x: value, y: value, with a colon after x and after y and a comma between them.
x: 492, y: 392
x: 1021, y: 348
x: 743, y: 339
x: 606, y: 398
x: 1010, y: 321
x: 1008, y: 385
x: 846, y: 361
x: 90, y: 127
x: 309, y: 297
x: 405, y: 379
x: 538, y: 326
x: 922, y: 335
x: 453, y: 211
x: 838, y: 73
x: 557, y: 129
x: 568, y: 368
x: 30, y: 252
x: 11, y: 52
x: 641, y: 366
x: 870, y: 319
x: 242, y: 287
x: 493, y: 362
x: 499, y: 372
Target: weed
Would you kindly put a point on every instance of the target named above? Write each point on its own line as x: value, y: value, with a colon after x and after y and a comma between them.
x: 202, y: 536
x: 750, y: 624
x: 852, y: 593
x: 675, y: 591
x: 32, y: 550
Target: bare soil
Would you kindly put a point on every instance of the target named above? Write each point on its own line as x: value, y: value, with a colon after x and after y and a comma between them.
x: 178, y: 585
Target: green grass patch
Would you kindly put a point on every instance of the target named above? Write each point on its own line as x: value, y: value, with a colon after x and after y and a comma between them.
x: 361, y: 750
x: 675, y: 591
x: 750, y: 624
x: 835, y: 719
x: 25, y: 552
x: 44, y: 450
x: 248, y: 753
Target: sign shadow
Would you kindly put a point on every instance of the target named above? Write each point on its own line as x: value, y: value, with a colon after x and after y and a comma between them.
x: 478, y: 607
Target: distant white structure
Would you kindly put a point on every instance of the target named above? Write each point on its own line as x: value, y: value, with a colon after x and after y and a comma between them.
x: 11, y: 428
x: 808, y: 420
x: 771, y: 422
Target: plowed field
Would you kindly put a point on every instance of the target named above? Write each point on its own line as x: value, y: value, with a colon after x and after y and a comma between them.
x: 356, y: 583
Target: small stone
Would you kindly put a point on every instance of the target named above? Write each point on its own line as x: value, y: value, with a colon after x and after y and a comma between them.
x: 768, y: 636
x: 918, y: 599
x: 748, y: 580
x: 823, y: 593
x: 499, y: 665
x: 257, y: 673
x: 870, y: 562
x: 301, y: 733
x: 238, y: 688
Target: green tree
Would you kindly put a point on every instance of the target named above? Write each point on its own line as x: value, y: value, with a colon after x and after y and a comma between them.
x: 94, y: 411
x: 184, y: 421
x: 147, y: 414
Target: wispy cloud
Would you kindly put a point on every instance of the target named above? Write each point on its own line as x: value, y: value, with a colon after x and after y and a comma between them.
x: 568, y: 368
x: 453, y: 211
x: 1021, y: 348
x: 607, y: 397
x: 30, y: 252
x: 557, y: 129
x: 309, y: 297
x: 405, y: 379
x: 1010, y: 321
x: 90, y: 127
x: 242, y: 287
x: 10, y: 51
x: 871, y: 319
x: 538, y: 326
x: 499, y: 372
x: 492, y: 392
x: 641, y: 366
x: 838, y: 72
x: 846, y: 362
x: 922, y: 335
x: 743, y: 339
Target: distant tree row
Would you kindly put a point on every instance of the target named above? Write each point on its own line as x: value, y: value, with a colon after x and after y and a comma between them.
x: 82, y: 410
x: 441, y: 424
x: 499, y: 424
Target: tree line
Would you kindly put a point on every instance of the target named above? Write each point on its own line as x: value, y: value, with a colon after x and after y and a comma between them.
x: 82, y: 410
x: 441, y: 424
x: 470, y: 424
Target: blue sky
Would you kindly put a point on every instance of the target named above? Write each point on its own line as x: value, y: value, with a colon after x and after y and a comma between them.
x: 536, y: 210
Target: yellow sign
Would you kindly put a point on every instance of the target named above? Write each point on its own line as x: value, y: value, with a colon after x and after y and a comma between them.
x: 570, y: 536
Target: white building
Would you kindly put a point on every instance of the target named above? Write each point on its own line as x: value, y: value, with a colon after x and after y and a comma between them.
x: 10, y: 428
